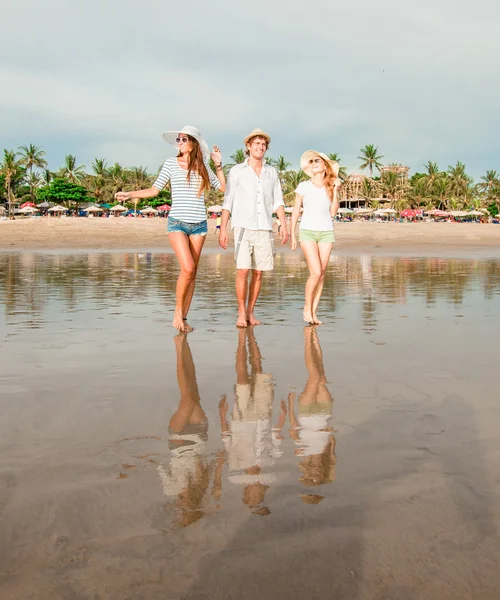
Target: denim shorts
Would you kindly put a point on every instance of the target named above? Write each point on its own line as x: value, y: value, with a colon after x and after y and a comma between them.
x: 176, y: 226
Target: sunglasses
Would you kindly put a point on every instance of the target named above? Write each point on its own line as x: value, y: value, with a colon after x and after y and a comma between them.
x: 316, y: 160
x: 184, y: 139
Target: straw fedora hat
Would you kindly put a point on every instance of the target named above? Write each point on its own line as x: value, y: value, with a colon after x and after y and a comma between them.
x: 257, y: 133
x: 305, y: 165
x: 170, y: 137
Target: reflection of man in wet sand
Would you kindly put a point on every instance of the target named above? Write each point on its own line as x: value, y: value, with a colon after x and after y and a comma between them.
x: 311, y: 430
x: 251, y: 443
x: 189, y: 472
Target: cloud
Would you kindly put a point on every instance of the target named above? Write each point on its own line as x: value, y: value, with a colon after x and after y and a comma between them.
x: 94, y: 78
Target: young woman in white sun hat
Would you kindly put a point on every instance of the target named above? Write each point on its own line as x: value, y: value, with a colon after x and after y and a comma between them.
x: 318, y: 197
x: 190, y: 181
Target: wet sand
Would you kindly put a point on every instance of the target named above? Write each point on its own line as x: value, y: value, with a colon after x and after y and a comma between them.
x: 94, y: 494
x: 149, y: 234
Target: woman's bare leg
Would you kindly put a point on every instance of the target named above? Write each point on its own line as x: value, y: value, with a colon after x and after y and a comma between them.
x: 188, y: 254
x: 196, y: 243
x: 311, y: 252
x: 325, y: 249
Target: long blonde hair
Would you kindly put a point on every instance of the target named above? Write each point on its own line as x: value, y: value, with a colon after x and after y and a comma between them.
x: 329, y: 180
x: 197, y: 164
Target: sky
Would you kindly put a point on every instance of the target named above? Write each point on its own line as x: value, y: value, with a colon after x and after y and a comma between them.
x: 420, y: 80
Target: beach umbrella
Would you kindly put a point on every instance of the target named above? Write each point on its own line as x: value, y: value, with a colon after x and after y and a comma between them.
x: 118, y: 208
x: 345, y: 211
x: 148, y: 211
x: 459, y: 213
x: 28, y: 204
x: 215, y: 208
x: 410, y: 213
x: 58, y: 208
x: 164, y: 207
x: 475, y: 213
x: 388, y: 211
x: 93, y: 209
x: 28, y: 210
x: 44, y: 205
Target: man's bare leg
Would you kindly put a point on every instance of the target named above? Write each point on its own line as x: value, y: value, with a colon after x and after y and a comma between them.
x: 255, y: 285
x: 241, y: 296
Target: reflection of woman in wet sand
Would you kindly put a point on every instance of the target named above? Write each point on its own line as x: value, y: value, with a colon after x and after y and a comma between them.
x: 311, y: 429
x: 189, y: 472
x: 251, y: 443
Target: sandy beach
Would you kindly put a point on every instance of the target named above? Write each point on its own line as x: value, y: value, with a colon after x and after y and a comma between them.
x: 144, y: 234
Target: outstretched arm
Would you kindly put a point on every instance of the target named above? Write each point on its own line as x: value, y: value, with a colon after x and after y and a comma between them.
x: 151, y: 192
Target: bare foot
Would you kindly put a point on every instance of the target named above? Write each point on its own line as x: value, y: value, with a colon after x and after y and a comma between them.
x: 307, y: 315
x: 242, y: 320
x: 253, y: 321
x: 316, y: 321
x: 187, y: 326
x: 178, y: 321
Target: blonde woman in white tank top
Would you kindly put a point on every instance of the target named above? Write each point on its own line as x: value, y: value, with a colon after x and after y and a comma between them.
x: 318, y: 197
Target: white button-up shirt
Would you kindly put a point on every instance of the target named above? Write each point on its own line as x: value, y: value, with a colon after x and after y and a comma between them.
x: 252, y: 199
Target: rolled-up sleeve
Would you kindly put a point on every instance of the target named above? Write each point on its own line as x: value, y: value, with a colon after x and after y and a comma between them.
x: 277, y: 193
x: 229, y: 193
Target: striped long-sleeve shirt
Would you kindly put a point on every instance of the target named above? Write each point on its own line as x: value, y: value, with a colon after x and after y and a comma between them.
x: 186, y: 205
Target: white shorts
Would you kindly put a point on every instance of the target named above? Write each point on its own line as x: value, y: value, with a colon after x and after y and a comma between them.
x: 254, y: 249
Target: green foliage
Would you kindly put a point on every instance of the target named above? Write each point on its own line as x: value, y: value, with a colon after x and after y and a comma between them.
x: 61, y: 191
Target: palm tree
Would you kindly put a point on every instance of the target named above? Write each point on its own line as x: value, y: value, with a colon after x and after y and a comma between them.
x: 99, y: 167
x: 117, y: 178
x: 370, y: 158
x: 440, y: 192
x: 96, y: 185
x: 392, y: 186
x: 460, y: 182
x: 34, y: 180
x: 342, y: 170
x: 139, y: 178
x: 291, y: 180
x: 489, y: 182
x: 72, y: 172
x: 46, y: 177
x: 238, y: 157
x: 9, y: 168
x: 32, y: 156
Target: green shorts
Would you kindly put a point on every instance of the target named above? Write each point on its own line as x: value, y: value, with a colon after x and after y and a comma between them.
x: 308, y: 235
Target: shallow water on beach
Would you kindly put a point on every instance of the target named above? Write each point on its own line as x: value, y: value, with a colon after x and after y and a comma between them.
x: 356, y: 460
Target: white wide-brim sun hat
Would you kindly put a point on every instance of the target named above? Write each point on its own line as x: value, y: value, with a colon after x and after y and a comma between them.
x: 306, y: 166
x: 171, y: 136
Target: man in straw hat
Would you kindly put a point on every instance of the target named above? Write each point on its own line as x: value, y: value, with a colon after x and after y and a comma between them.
x: 253, y: 194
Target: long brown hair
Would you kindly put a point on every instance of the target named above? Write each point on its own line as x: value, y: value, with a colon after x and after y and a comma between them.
x: 197, y: 164
x: 329, y: 180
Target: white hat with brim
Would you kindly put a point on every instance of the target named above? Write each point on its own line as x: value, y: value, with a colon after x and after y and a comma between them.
x: 306, y: 166
x: 171, y: 136
x: 257, y: 133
